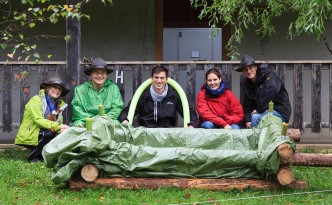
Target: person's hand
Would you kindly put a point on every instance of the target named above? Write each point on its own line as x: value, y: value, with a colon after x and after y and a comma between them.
x: 228, y: 127
x: 253, y: 112
x: 63, y: 127
x: 125, y: 122
x: 248, y: 124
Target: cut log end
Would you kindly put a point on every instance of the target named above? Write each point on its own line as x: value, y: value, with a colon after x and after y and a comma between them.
x: 294, y: 134
x: 89, y: 172
x: 285, y: 175
x: 285, y: 151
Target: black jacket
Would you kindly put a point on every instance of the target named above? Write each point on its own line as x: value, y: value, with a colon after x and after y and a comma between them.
x: 268, y: 88
x: 167, y: 110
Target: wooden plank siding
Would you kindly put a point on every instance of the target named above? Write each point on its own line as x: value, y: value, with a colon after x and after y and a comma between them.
x: 6, y: 99
x: 316, y: 98
x: 298, y: 97
x: 190, y: 69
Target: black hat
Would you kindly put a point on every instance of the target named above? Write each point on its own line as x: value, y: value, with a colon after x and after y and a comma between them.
x: 246, y: 61
x: 55, y: 81
x: 98, y: 63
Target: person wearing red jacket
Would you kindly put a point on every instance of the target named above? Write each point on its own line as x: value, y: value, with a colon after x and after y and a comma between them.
x: 216, y: 105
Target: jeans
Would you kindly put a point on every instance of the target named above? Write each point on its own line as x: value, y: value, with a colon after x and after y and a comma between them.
x: 45, y: 136
x: 256, y: 118
x: 210, y: 125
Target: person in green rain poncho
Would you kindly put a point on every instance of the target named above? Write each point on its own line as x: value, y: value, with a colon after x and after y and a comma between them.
x: 97, y: 91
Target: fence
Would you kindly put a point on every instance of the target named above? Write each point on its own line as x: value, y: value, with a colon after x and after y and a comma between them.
x: 309, y: 84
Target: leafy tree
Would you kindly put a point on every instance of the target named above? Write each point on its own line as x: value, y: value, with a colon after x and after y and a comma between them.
x: 19, y: 18
x: 312, y: 17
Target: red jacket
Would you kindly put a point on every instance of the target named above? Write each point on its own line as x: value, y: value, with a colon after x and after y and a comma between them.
x: 222, y: 110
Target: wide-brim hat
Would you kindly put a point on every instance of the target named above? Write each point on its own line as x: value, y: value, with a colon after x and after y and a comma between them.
x: 98, y: 63
x: 55, y: 81
x: 246, y: 61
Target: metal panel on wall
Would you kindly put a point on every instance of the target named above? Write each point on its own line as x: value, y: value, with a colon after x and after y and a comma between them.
x: 192, y: 44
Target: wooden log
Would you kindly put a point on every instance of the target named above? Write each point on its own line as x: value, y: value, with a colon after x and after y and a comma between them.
x: 89, y: 172
x: 294, y: 134
x: 285, y: 151
x: 285, y: 175
x: 206, y: 184
x: 309, y: 159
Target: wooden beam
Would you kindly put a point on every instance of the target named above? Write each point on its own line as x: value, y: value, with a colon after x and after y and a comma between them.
x: 206, y: 184
x: 191, y: 85
x: 316, y: 115
x: 73, y: 55
x: 298, y: 97
x: 7, y: 99
x: 226, y: 72
x: 119, y: 80
x: 330, y: 99
x: 137, y: 77
x: 159, y: 26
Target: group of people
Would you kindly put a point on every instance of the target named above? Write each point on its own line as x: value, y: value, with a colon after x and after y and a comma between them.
x: 158, y: 106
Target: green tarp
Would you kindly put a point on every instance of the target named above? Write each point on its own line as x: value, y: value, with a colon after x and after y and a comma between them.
x: 124, y: 151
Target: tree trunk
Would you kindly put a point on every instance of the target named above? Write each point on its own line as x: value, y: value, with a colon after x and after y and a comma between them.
x: 156, y: 183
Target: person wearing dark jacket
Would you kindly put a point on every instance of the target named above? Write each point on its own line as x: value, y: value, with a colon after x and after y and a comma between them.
x: 216, y: 105
x: 159, y: 104
x: 262, y: 85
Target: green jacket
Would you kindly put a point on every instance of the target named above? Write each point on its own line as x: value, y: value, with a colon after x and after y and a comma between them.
x: 86, y: 100
x: 33, y: 120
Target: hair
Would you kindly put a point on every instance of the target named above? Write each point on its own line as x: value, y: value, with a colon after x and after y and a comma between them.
x: 159, y: 68
x: 213, y: 71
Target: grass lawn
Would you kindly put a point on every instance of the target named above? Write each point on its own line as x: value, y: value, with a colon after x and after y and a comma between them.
x: 25, y: 183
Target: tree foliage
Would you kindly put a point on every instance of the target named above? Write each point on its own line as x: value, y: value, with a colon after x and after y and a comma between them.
x: 312, y: 17
x: 20, y: 17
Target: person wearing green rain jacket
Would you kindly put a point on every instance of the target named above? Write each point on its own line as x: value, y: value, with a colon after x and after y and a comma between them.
x: 97, y: 91
x: 42, y: 118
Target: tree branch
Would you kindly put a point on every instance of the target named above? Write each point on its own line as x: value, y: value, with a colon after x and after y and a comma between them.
x: 327, y: 44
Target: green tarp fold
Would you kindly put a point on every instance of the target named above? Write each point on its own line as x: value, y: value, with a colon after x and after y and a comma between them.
x: 124, y: 151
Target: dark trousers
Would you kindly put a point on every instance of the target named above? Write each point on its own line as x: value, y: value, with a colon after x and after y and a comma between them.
x: 44, y: 137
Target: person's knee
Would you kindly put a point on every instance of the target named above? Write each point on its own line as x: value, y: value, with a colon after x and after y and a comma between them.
x: 255, y: 118
x: 207, y: 125
x: 235, y: 126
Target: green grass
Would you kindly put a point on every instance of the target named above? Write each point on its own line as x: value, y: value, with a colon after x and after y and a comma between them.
x: 25, y: 183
